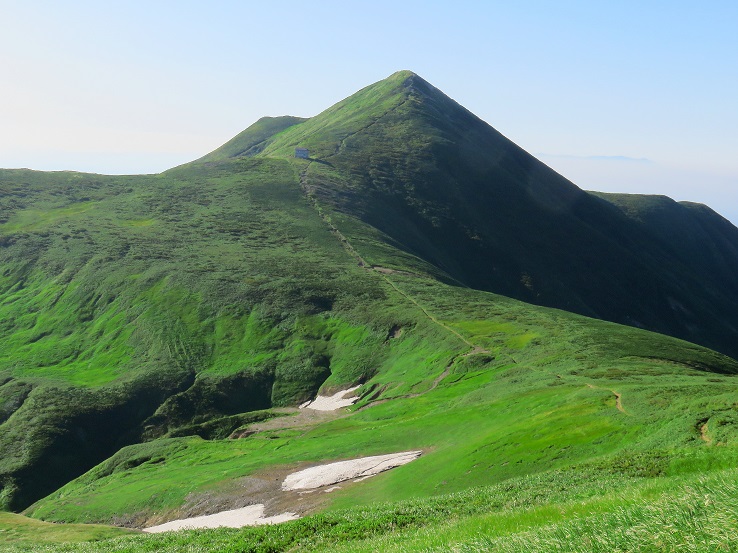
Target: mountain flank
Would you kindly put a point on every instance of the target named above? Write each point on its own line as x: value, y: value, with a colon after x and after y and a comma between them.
x: 445, y: 187
x: 158, y: 331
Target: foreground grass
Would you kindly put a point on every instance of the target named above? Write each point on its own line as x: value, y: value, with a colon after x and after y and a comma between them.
x: 587, y: 510
x: 696, y: 514
x: 702, y: 518
x: 28, y: 533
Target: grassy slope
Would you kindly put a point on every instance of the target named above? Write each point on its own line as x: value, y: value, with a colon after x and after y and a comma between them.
x: 503, y: 419
x: 114, y: 321
x: 577, y: 511
x: 692, y: 231
x: 494, y: 416
x: 446, y: 187
x: 252, y: 140
x: 28, y: 533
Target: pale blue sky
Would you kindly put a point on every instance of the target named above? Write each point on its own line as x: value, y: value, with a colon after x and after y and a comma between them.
x: 620, y: 96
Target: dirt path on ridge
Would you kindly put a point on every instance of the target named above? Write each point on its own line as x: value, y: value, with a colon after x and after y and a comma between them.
x: 384, y: 273
x: 703, y: 434
x: 618, y: 397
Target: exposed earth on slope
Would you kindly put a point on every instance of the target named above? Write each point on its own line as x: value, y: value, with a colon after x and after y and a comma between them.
x: 253, y: 515
x: 340, y: 399
x: 283, y: 498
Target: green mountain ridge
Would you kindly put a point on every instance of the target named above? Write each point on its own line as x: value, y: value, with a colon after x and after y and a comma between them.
x: 252, y: 140
x: 448, y: 188
x: 145, y: 319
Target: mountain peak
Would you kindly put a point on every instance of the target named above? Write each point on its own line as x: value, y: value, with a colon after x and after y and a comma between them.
x: 322, y: 132
x: 412, y: 82
x: 402, y: 74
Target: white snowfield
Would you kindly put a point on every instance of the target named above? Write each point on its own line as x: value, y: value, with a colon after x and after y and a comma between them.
x: 331, y: 403
x: 308, y: 479
x: 252, y: 515
x: 333, y: 473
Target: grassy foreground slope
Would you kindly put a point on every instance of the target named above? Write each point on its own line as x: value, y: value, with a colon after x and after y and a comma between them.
x: 554, y: 512
x: 27, y: 534
x: 134, y: 307
x: 563, y: 424
x: 501, y: 409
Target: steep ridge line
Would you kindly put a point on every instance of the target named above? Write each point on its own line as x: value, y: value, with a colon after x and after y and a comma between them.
x: 475, y: 349
x: 362, y: 262
x: 430, y: 316
x: 384, y: 273
x: 342, y: 144
x: 326, y: 218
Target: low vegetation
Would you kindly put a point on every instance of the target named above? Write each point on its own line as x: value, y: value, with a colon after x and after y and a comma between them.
x: 155, y: 330
x: 582, y: 509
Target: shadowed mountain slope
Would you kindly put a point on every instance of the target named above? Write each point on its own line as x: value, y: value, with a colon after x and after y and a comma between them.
x: 444, y: 186
x: 693, y: 232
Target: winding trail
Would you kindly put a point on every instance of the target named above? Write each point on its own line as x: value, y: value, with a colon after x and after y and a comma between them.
x: 310, y: 195
x: 431, y: 317
x: 618, y: 397
x: 384, y: 273
x: 704, y: 436
x: 381, y: 271
x: 388, y: 271
x: 618, y: 401
x: 342, y: 144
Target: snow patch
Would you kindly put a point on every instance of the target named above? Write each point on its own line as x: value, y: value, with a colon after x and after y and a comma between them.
x: 253, y: 515
x: 331, y: 403
x: 333, y: 473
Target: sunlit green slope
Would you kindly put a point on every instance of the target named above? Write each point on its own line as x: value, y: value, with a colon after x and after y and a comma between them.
x: 132, y: 306
x: 549, y: 419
